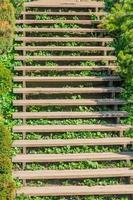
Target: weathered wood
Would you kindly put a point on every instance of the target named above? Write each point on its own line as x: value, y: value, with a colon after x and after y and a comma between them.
x: 72, y: 13
x: 124, y: 141
x: 89, y: 22
x: 62, y: 48
x: 68, y: 102
x: 71, y: 128
x: 75, y: 157
x: 65, y: 68
x: 71, y: 90
x: 69, y: 115
x: 62, y: 30
x: 65, y: 58
x: 76, y: 190
x: 63, y: 39
x: 67, y: 79
x: 64, y: 4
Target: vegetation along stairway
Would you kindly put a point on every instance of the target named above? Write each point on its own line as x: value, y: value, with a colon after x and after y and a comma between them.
x: 69, y: 137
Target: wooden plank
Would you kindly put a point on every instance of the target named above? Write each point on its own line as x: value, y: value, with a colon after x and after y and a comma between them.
x: 65, y: 68
x: 68, y: 102
x: 76, y: 190
x: 55, y: 21
x: 71, y: 128
x: 64, y: 39
x: 65, y: 58
x: 62, y: 48
x: 65, y: 4
x: 66, y: 79
x: 72, y: 13
x: 71, y: 90
x: 73, y: 174
x: 62, y: 30
x: 69, y: 115
x: 73, y: 142
x: 75, y: 157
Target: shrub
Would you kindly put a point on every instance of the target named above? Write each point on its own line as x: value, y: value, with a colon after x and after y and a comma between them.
x: 120, y: 24
x: 5, y: 79
x: 7, y: 21
x: 7, y: 185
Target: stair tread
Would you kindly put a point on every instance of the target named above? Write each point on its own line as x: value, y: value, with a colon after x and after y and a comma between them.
x: 70, y: 102
x: 73, y: 142
x: 52, y: 30
x: 71, y: 90
x: 76, y: 190
x: 65, y: 174
x: 55, y: 21
x: 70, y: 128
x: 75, y: 157
x: 67, y: 115
x: 66, y: 58
x: 66, y: 4
x: 73, y: 13
x: 64, y: 68
x: 64, y: 39
x: 66, y: 78
x: 62, y: 48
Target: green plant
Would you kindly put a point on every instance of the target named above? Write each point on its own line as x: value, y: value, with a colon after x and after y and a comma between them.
x: 7, y: 185
x: 120, y: 25
x: 5, y: 79
x: 7, y: 21
x: 110, y: 3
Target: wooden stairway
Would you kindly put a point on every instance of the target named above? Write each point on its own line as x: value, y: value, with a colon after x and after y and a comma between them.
x: 68, y: 106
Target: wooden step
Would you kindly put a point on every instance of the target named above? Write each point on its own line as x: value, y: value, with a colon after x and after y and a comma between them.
x: 64, y: 39
x: 68, y: 102
x: 124, y: 141
x: 71, y: 128
x: 66, y: 79
x: 55, y: 21
x: 71, y: 90
x: 76, y: 190
x: 65, y: 68
x: 75, y: 157
x: 61, y: 48
x: 66, y: 58
x: 70, y: 115
x: 69, y: 13
x: 62, y: 30
x: 73, y: 174
x: 64, y: 4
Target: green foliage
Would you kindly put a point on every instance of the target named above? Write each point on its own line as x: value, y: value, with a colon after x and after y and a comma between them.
x: 120, y: 24
x: 110, y: 3
x: 7, y: 21
x: 72, y: 198
x: 6, y: 187
x: 6, y: 182
x: 5, y: 79
x: 5, y: 140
